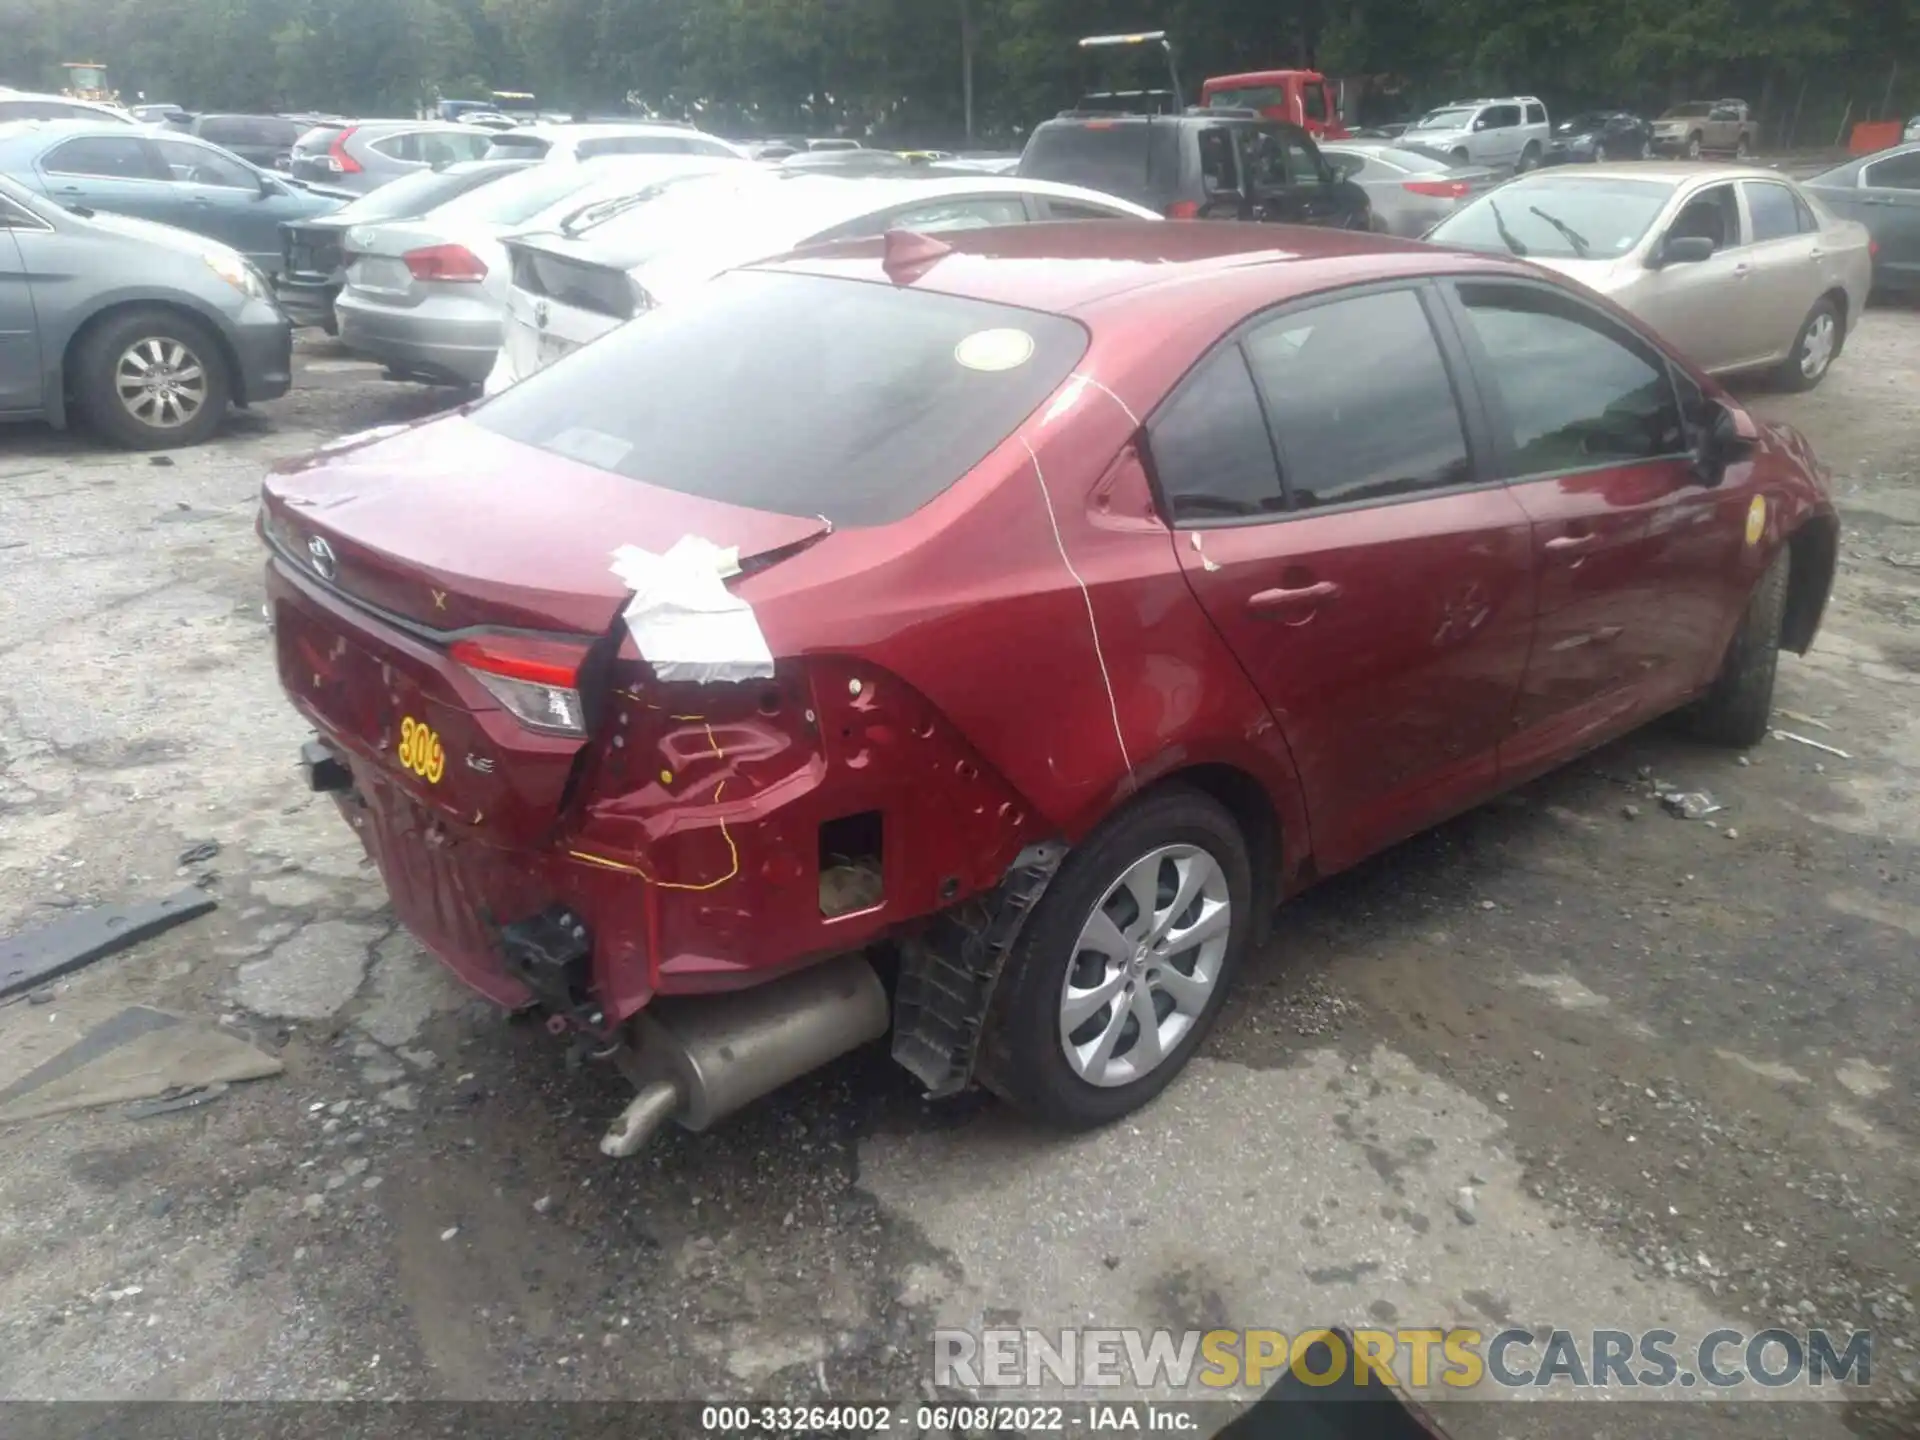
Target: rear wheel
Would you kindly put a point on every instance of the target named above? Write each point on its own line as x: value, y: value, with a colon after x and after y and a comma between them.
x: 1123, y: 968
x: 1739, y: 707
x: 1530, y: 157
x: 151, y: 380
x: 1814, y: 347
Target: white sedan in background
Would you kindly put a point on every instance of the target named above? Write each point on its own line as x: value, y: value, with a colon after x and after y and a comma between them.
x: 563, y: 144
x: 425, y: 297
x: 568, y: 289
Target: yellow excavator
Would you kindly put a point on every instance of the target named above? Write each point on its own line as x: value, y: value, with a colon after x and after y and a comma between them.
x: 88, y: 81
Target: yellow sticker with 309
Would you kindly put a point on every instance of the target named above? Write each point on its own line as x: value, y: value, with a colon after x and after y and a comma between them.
x: 421, y: 751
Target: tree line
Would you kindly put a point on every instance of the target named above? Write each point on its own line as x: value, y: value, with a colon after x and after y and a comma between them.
x: 912, y: 71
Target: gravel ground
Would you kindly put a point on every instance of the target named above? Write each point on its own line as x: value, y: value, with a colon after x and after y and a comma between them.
x: 1566, y: 1061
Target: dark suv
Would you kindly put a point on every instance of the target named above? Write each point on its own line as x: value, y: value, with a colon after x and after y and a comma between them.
x: 1204, y: 165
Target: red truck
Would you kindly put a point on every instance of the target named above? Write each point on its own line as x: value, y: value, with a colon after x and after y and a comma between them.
x: 1302, y: 97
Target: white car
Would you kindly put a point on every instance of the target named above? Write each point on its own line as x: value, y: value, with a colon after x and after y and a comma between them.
x: 425, y: 297
x: 1511, y: 131
x: 569, y: 289
x: 565, y: 143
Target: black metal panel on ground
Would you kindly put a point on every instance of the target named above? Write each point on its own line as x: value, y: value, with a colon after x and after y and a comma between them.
x: 46, y: 952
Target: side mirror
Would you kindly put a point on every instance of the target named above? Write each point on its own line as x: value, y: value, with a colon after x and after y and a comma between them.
x: 1481, y: 123
x: 1682, y: 250
x: 1729, y: 439
x: 269, y: 187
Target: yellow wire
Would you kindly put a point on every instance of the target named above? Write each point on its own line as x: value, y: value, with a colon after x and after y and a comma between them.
x: 733, y: 850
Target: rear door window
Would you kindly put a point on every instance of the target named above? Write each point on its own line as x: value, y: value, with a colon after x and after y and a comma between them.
x: 108, y: 157
x: 1898, y: 172
x: 1771, y: 209
x: 1361, y: 402
x: 1110, y: 155
x: 869, y: 400
x: 1212, y: 455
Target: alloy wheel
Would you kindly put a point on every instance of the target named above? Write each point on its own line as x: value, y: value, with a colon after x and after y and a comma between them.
x: 1816, y: 351
x: 160, y: 382
x: 1145, y: 965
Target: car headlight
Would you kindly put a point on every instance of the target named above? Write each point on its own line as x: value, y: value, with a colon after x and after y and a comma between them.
x: 239, y: 272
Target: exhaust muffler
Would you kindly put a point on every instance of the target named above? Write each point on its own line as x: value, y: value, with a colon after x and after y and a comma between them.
x: 697, y: 1059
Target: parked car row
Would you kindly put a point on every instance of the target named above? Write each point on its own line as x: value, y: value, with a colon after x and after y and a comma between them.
x: 482, y: 264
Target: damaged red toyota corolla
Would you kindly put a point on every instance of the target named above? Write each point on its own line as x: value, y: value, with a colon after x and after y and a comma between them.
x: 972, y: 641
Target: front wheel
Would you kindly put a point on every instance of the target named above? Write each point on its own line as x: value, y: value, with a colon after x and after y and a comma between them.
x: 1693, y: 146
x: 1599, y: 153
x: 1738, y: 708
x: 1124, y: 966
x: 151, y: 379
x: 1460, y: 155
x: 1813, y: 350
x: 1646, y: 150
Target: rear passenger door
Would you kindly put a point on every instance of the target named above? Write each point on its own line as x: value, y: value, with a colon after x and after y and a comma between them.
x: 1785, y: 276
x: 1339, y: 530
x: 1630, y: 549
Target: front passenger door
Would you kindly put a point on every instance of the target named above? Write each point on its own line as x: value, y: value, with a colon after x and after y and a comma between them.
x: 1374, y: 584
x: 219, y: 197
x: 1703, y: 309
x: 1589, y: 436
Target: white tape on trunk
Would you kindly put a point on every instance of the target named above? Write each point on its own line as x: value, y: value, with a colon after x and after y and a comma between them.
x: 687, y: 624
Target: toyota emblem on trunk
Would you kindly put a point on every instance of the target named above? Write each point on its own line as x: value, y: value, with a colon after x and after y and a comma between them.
x: 540, y: 313
x: 321, y: 553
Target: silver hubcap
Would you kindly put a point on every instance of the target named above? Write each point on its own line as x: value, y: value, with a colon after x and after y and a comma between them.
x: 160, y: 382
x: 1816, y: 351
x: 1693, y: 149
x: 1145, y: 965
x: 1600, y: 154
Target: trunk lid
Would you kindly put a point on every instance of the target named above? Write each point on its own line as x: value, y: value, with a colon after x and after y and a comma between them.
x: 451, y: 526
x: 313, y: 247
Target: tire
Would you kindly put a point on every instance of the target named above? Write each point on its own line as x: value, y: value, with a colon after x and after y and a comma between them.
x: 1599, y: 153
x: 112, y: 359
x: 1821, y: 335
x: 1741, y: 149
x: 1738, y: 707
x: 1460, y: 155
x: 1529, y: 158
x: 1026, y: 1060
x: 1646, y: 150
x: 1694, y: 145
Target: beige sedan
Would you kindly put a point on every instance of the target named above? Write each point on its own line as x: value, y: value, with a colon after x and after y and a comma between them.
x: 1737, y: 266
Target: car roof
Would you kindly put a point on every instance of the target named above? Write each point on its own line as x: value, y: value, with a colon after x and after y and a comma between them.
x: 21, y: 134
x: 1073, y: 267
x: 602, y: 129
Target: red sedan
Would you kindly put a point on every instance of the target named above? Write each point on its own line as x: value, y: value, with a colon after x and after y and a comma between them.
x: 971, y: 639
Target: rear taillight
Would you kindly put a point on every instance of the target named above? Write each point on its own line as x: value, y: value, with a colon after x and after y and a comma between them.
x: 1438, y: 189
x: 1873, y: 248
x: 1184, y: 210
x: 536, y: 680
x: 445, y: 262
x: 340, y: 162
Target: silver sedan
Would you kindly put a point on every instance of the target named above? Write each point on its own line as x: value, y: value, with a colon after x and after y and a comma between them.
x: 1736, y: 265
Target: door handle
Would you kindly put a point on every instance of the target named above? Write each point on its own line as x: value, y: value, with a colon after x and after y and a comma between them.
x: 1740, y: 272
x: 1815, y: 253
x: 1571, y: 544
x: 1305, y: 595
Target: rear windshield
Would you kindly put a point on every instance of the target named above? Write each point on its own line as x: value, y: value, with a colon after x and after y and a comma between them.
x: 416, y: 194
x: 509, y: 146
x: 522, y: 195
x: 1099, y: 154
x: 248, y: 130
x: 797, y: 394
x: 1254, y: 97
x: 1558, y: 219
